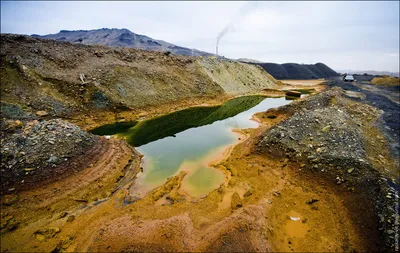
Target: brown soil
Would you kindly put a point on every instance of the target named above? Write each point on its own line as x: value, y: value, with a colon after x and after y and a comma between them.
x: 52, y: 203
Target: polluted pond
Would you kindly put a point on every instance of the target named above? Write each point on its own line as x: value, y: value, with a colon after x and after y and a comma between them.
x: 189, y: 140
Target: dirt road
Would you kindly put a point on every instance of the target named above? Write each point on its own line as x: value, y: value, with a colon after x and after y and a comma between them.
x: 385, y: 98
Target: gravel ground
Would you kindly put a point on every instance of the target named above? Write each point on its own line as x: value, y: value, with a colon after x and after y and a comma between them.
x: 382, y: 97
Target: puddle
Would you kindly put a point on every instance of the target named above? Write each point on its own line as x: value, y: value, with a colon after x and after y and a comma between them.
x: 191, y: 140
x: 296, y: 225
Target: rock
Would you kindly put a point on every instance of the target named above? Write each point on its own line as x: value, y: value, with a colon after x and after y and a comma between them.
x: 18, y: 123
x: 98, y: 54
x: 41, y: 113
x: 389, y: 232
x: 236, y: 202
x: 62, y: 215
x: 53, y: 159
x: 46, y: 233
x: 248, y: 193
x: 82, y: 77
x: 325, y: 129
x: 71, y: 218
x: 311, y: 201
x: 8, y: 217
x: 40, y: 237
x: 293, y: 93
x: 350, y: 170
x: 81, y: 200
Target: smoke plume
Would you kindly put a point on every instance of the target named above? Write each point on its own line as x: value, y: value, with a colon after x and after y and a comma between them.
x: 235, y: 20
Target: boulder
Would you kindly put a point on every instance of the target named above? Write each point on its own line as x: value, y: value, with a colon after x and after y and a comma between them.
x: 41, y: 113
x: 236, y: 201
x: 291, y: 93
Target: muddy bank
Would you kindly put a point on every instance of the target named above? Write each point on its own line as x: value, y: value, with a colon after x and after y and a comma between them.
x: 35, y: 214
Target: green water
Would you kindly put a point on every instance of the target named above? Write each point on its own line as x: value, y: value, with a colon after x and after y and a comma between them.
x: 188, y: 140
x: 170, y: 124
x: 116, y: 128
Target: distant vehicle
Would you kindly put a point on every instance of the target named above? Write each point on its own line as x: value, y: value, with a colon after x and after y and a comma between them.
x: 348, y: 78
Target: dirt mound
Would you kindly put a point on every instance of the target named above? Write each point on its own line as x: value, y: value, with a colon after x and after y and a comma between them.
x: 39, y: 151
x: 298, y: 71
x: 326, y: 133
x: 386, y: 80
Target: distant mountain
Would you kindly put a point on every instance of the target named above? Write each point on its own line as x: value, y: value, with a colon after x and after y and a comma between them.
x: 370, y: 72
x: 120, y: 38
x: 298, y: 71
x: 125, y: 38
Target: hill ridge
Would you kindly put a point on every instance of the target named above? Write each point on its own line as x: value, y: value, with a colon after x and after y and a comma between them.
x: 297, y: 71
x: 115, y: 37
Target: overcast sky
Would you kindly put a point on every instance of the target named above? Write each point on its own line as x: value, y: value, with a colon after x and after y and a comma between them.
x: 344, y: 35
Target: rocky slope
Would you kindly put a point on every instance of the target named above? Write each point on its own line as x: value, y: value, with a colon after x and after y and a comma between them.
x: 237, y: 78
x: 337, y: 140
x: 120, y: 38
x: 64, y: 79
x: 298, y: 71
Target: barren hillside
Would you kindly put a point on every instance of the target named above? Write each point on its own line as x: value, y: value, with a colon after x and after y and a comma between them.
x: 64, y: 79
x: 120, y: 38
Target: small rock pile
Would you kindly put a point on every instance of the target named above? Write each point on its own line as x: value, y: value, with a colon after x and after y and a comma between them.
x: 323, y: 129
x: 327, y: 134
x: 30, y: 148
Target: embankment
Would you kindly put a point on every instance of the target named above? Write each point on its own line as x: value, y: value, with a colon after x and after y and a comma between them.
x: 69, y: 80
